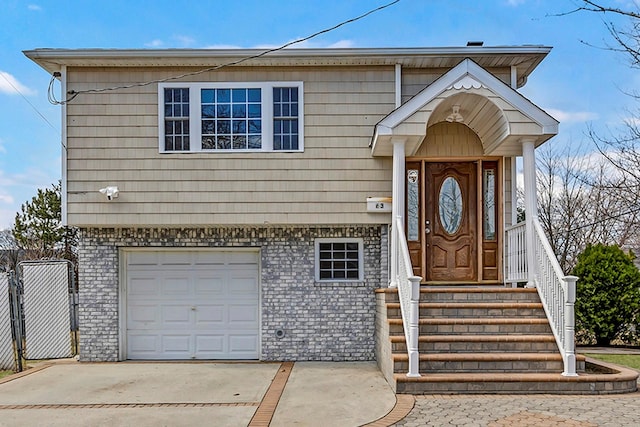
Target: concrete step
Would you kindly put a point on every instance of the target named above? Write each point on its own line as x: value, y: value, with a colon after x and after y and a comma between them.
x: 485, y: 362
x: 470, y: 326
x: 473, y: 309
x: 515, y: 383
x: 545, y: 343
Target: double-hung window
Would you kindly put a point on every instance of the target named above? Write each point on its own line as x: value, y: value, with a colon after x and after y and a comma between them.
x: 176, y: 119
x: 230, y: 117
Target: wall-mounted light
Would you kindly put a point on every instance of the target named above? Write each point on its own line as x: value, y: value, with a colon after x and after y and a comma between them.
x: 111, y: 192
x: 455, y: 116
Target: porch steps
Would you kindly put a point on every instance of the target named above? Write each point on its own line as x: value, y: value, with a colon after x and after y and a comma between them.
x: 478, y: 343
x: 480, y: 339
x: 483, y: 362
x: 517, y: 383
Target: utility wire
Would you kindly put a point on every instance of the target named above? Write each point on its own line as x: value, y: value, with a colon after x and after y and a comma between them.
x: 29, y: 102
x: 74, y: 93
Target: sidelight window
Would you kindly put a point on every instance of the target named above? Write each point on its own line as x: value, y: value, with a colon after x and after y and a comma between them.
x: 489, y: 212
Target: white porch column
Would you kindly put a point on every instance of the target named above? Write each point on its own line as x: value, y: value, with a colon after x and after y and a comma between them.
x: 397, y: 203
x: 530, y: 205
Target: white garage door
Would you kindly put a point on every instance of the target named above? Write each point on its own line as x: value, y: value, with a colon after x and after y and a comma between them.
x: 192, y: 305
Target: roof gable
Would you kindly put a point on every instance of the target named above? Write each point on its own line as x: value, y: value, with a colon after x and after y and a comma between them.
x: 464, y: 81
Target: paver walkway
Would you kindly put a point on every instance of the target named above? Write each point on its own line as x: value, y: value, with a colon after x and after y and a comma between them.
x: 525, y: 410
x: 618, y: 410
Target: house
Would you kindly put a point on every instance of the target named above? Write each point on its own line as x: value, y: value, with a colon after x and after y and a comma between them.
x: 251, y: 205
x: 273, y: 160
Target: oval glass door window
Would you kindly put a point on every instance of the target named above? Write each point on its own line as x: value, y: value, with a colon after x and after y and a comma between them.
x: 450, y: 205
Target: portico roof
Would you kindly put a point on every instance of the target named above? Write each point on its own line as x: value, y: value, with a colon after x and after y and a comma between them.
x: 500, y: 116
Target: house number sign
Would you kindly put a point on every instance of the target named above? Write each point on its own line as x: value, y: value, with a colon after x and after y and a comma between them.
x: 378, y: 204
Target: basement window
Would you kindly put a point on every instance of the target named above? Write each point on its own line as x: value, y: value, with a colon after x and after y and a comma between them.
x: 339, y: 260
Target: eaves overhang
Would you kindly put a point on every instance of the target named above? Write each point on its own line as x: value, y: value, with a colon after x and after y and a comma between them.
x: 524, y: 58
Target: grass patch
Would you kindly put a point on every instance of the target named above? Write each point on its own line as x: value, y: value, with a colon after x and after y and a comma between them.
x: 5, y: 373
x: 630, y: 360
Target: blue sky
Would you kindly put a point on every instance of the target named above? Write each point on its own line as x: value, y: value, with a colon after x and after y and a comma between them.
x: 577, y: 84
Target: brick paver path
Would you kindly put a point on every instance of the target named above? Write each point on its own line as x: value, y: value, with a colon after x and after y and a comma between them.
x: 524, y: 410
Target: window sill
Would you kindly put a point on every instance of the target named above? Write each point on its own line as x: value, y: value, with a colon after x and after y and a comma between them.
x: 231, y: 151
x: 341, y: 283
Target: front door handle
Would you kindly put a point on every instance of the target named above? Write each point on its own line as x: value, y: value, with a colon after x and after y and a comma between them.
x: 427, y: 228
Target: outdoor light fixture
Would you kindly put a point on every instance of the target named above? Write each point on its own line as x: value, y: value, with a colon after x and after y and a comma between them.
x: 111, y: 192
x: 455, y: 116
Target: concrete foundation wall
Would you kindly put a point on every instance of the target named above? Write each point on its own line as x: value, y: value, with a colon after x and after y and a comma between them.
x: 383, y: 344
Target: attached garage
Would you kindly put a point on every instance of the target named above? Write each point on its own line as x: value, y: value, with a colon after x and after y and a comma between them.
x: 191, y: 304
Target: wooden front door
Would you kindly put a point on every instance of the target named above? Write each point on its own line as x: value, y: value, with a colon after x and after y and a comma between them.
x: 442, y: 220
x: 450, y: 225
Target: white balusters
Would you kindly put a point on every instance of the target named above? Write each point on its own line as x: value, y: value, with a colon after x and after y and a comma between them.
x: 409, y: 296
x: 557, y: 291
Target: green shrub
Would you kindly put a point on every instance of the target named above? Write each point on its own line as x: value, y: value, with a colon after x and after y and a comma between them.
x: 607, y: 292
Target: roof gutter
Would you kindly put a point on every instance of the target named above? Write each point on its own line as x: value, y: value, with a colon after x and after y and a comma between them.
x: 284, y: 53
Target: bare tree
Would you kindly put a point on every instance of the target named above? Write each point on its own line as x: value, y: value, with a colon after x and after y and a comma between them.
x: 580, y: 203
x: 562, y: 204
x: 620, y: 147
x: 626, y: 38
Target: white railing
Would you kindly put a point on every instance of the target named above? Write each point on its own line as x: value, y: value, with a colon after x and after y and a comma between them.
x: 409, y: 296
x: 516, y: 254
x: 557, y: 291
x: 558, y: 295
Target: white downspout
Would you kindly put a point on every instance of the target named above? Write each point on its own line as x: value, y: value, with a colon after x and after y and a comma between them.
x: 64, y: 145
x: 398, y: 88
x: 395, y: 200
x: 530, y: 205
x: 514, y: 77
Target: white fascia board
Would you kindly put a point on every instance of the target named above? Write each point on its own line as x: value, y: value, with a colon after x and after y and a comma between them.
x: 461, y: 51
x: 383, y: 130
x: 551, y: 129
x: 379, y: 131
x: 513, y: 97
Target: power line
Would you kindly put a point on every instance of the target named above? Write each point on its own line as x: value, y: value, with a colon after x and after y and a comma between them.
x: 29, y: 102
x: 74, y: 93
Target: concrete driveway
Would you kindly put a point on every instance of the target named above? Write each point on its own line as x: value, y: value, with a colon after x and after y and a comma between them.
x: 195, y: 394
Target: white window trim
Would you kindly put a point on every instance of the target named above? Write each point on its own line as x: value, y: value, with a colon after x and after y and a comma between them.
x: 195, y: 114
x: 360, y: 243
